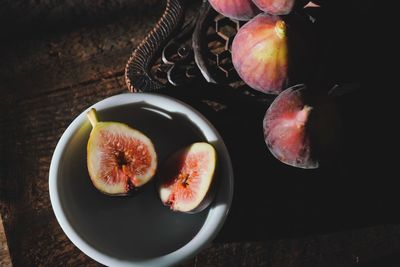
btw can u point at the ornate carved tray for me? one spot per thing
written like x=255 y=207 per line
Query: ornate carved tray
x=177 y=53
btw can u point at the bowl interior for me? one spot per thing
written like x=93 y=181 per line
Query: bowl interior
x=136 y=227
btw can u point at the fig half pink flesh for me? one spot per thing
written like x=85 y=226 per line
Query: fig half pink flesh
x=187 y=178
x=119 y=158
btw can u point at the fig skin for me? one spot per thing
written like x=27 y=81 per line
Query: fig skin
x=235 y=9
x=260 y=54
x=302 y=128
x=270 y=52
x=279 y=7
x=120 y=159
x=187 y=179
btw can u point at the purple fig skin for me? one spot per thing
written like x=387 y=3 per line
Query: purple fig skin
x=260 y=54
x=302 y=128
x=235 y=9
x=279 y=7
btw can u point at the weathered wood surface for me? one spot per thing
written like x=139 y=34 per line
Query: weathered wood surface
x=5 y=259
x=49 y=74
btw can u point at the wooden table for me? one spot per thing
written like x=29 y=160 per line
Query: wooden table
x=60 y=58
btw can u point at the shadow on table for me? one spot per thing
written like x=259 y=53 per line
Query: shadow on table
x=273 y=200
x=387 y=261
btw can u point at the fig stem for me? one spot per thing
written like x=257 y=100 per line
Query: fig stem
x=92 y=116
x=280 y=28
x=302 y=116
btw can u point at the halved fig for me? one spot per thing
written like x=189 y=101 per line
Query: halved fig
x=187 y=178
x=119 y=158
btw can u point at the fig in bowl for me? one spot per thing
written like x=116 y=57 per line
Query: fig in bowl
x=187 y=178
x=119 y=158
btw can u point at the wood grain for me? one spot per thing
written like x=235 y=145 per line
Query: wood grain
x=5 y=259
x=31 y=224
x=78 y=68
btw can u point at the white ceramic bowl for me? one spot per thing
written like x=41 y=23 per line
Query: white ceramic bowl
x=138 y=230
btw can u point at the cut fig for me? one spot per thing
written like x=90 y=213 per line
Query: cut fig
x=119 y=158
x=302 y=127
x=187 y=178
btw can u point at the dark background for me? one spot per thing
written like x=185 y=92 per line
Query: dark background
x=59 y=57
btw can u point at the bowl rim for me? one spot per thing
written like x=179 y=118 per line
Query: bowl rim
x=216 y=215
